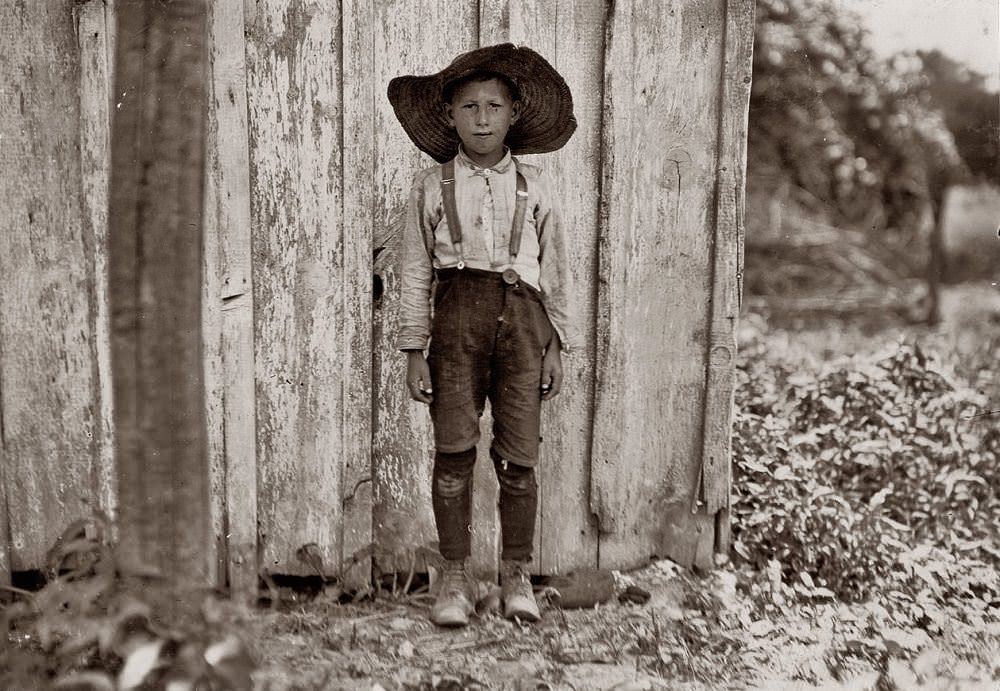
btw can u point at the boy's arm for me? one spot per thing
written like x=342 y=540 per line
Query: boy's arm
x=555 y=277
x=416 y=273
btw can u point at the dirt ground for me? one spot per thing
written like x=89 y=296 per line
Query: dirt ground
x=695 y=632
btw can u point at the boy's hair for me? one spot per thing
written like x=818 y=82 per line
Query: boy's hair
x=448 y=92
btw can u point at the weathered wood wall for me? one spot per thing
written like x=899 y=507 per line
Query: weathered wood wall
x=312 y=435
x=54 y=396
x=312 y=283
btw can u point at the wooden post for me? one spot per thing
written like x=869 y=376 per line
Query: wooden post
x=727 y=270
x=155 y=264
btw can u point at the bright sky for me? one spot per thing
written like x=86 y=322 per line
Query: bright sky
x=965 y=30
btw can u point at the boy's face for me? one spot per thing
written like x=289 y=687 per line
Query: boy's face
x=482 y=112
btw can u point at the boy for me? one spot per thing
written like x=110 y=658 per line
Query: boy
x=482 y=227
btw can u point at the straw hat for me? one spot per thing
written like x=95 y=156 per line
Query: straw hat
x=546 y=121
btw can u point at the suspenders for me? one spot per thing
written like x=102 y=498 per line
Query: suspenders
x=455 y=229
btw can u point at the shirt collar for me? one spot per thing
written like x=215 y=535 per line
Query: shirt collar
x=499 y=167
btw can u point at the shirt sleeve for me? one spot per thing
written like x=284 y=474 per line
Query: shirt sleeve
x=555 y=277
x=416 y=272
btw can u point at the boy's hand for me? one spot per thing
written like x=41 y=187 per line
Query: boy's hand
x=418 y=377
x=552 y=373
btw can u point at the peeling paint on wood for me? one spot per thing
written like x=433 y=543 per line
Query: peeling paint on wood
x=727 y=262
x=568 y=535
x=659 y=134
x=49 y=405
x=93 y=32
x=294 y=95
x=357 y=178
x=240 y=491
x=228 y=306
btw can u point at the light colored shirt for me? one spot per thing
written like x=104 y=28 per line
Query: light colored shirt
x=484 y=198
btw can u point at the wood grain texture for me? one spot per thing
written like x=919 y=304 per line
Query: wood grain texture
x=661 y=103
x=94 y=26
x=213 y=363
x=240 y=493
x=568 y=533
x=727 y=258
x=228 y=308
x=359 y=208
x=419 y=37
x=157 y=190
x=49 y=402
x=294 y=94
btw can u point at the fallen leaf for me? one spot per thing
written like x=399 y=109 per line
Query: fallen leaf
x=139 y=664
x=406 y=650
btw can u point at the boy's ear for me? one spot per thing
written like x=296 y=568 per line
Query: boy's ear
x=515 y=111
x=447 y=113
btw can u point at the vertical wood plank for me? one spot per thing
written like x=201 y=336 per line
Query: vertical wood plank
x=359 y=209
x=228 y=309
x=240 y=445
x=294 y=95
x=358 y=180
x=569 y=532
x=727 y=253
x=419 y=37
x=48 y=391
x=661 y=104
x=157 y=187
x=213 y=365
x=211 y=313
x=93 y=20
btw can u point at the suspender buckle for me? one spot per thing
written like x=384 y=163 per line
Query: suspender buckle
x=460 y=265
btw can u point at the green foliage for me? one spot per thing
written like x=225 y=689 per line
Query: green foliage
x=971 y=111
x=856 y=134
x=861 y=476
x=89 y=628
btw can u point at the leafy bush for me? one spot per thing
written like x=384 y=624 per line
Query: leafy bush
x=839 y=475
x=90 y=628
x=859 y=135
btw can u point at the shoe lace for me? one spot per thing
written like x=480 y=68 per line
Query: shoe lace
x=519 y=580
x=454 y=579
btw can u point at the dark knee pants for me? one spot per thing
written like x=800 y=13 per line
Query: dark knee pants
x=487 y=341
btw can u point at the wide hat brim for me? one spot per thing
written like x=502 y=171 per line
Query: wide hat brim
x=546 y=121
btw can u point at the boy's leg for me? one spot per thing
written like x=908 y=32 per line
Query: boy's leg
x=518 y=507
x=459 y=359
x=462 y=337
x=451 y=496
x=515 y=395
